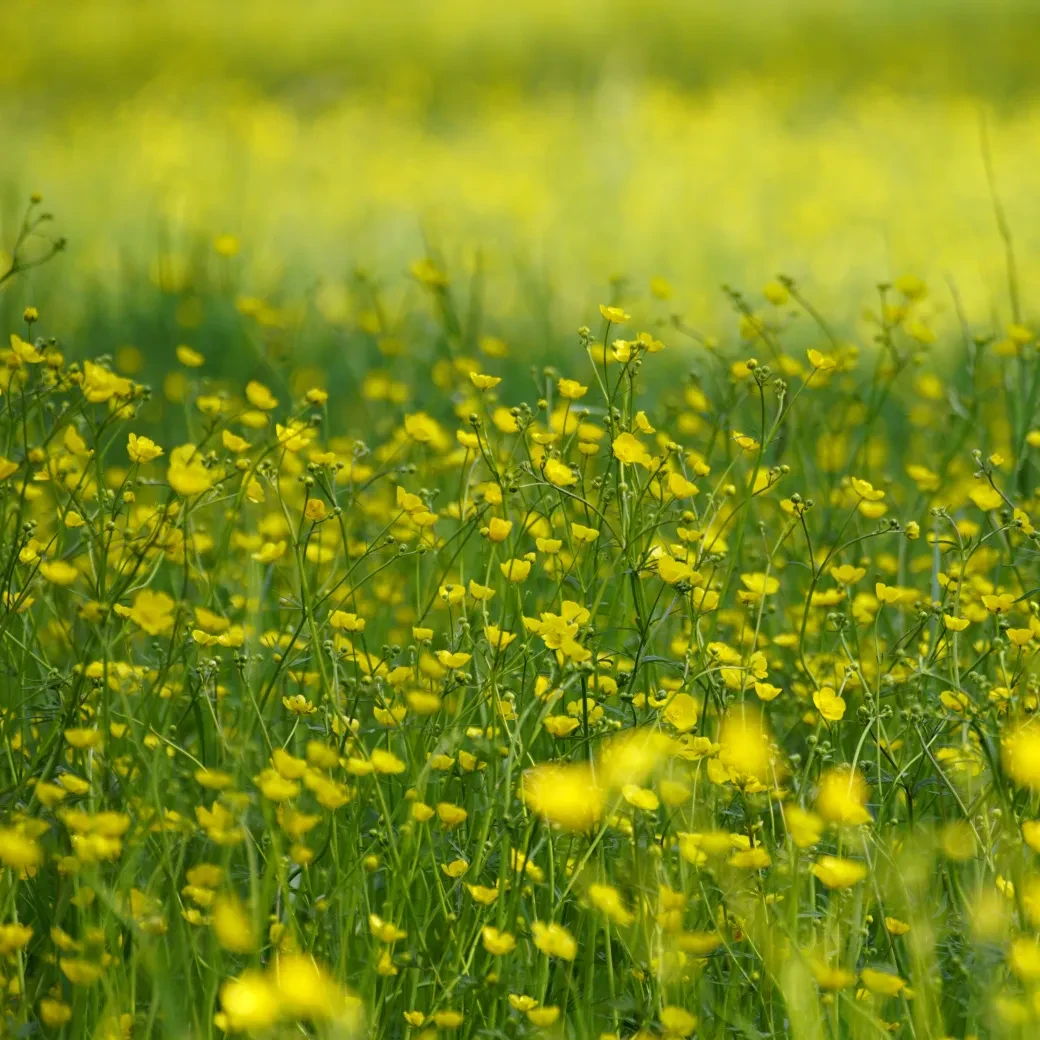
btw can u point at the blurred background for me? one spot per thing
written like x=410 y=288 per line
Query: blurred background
x=555 y=145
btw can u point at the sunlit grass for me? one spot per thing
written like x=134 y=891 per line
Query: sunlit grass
x=517 y=522
x=463 y=699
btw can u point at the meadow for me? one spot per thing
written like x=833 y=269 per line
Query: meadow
x=519 y=524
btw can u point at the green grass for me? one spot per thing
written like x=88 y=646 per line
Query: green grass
x=715 y=680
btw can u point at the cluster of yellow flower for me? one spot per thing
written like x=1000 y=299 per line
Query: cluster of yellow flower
x=646 y=707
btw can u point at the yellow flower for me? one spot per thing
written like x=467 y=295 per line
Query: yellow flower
x=100 y=385
x=986 y=498
x=565 y=795
x=677 y=1021
x=451 y=815
x=141 y=449
x=232 y=925
x=998 y=603
x=556 y=472
x=640 y=798
x=482 y=593
x=80 y=972
x=53 y=1013
x=822 y=362
x=347 y=622
x=629 y=449
x=1024 y=959
x=682 y=711
x=607 y=900
x=276 y=788
x=679 y=486
x=421 y=427
x=830 y=705
x=233 y=442
x=498 y=529
x=25 y=352
x=83 y=738
x=484 y=382
x=766 y=691
x=515 y=570
x=615 y=315
x=643 y=423
x=59 y=572
x=829 y=977
x=497 y=638
x=804 y=828
x=584 y=534
x=673 y=571
x=750 y=859
x=188 y=357
x=865 y=490
x=75 y=444
x=1020 y=755
x=758 y=585
x=306 y=991
x=386 y=762
x=249 y=1003
x=745 y=749
x=883 y=983
x=428 y=273
x=187 y=475
x=18 y=851
x=543 y=1016
x=260 y=397
x=554 y=940
x=151 y=611
x=571 y=389
x=560 y=725
x=842 y=797
x=839 y=873
x=385 y=931
x=1031 y=834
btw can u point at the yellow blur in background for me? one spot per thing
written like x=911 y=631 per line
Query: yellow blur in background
x=568 y=142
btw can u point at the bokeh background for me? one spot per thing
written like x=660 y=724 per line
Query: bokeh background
x=555 y=145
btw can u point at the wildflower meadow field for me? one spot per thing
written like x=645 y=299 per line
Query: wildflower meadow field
x=518 y=525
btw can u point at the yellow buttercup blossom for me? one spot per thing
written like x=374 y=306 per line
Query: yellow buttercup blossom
x=188 y=357
x=142 y=449
x=830 y=705
x=554 y=940
x=260 y=397
x=571 y=389
x=565 y=795
x=615 y=315
x=842 y=797
x=187 y=474
x=59 y=572
x=151 y=611
x=627 y=448
x=559 y=473
x=835 y=872
x=677 y=1021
